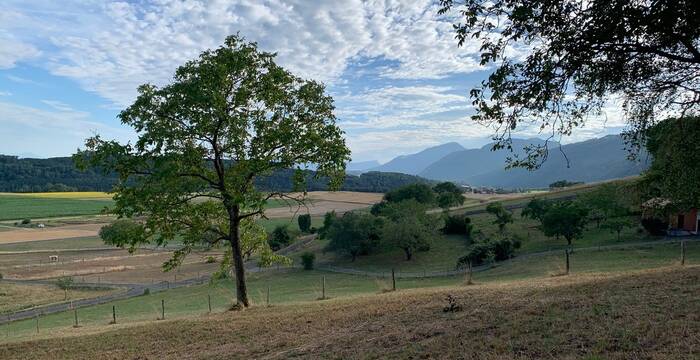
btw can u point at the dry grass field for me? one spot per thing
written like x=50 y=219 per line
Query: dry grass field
x=114 y=265
x=320 y=202
x=19 y=235
x=14 y=297
x=651 y=314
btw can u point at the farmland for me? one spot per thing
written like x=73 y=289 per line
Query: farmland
x=598 y=258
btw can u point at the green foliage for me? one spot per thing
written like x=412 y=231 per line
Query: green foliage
x=307 y=260
x=503 y=215
x=617 y=224
x=448 y=195
x=477 y=254
x=304 y=222
x=675 y=170
x=457 y=224
x=421 y=193
x=26 y=221
x=607 y=201
x=229 y=116
x=536 y=208
x=279 y=238
x=578 y=53
x=566 y=219
x=64 y=283
x=210 y=260
x=328 y=219
x=354 y=234
x=409 y=227
x=122 y=233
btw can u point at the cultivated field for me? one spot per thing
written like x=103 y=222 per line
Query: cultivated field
x=651 y=314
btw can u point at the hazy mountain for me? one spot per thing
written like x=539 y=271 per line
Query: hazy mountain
x=460 y=165
x=591 y=160
x=415 y=163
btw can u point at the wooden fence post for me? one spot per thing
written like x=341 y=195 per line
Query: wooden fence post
x=567 y=261
x=209 y=302
x=162 y=309
x=37 y=324
x=267 y=298
x=323 y=287
x=683 y=253
x=393 y=280
x=114 y=314
x=75 y=312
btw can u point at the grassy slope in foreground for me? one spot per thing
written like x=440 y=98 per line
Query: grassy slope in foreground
x=647 y=314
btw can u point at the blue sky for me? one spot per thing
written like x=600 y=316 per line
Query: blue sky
x=398 y=78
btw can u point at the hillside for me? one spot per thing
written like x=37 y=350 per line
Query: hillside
x=592 y=160
x=60 y=174
x=583 y=316
x=415 y=163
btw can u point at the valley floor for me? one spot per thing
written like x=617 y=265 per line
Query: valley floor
x=647 y=314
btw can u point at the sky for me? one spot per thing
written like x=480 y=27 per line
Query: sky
x=399 y=80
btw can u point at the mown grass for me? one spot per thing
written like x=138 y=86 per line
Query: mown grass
x=647 y=315
x=17 y=207
x=299 y=286
x=79 y=195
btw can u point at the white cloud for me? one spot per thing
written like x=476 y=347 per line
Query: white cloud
x=111 y=48
x=58 y=105
x=13 y=51
x=5 y=93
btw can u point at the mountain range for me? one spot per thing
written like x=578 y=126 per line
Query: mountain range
x=591 y=160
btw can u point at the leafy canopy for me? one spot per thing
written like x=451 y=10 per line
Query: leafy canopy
x=675 y=170
x=228 y=117
x=566 y=219
x=574 y=55
x=409 y=227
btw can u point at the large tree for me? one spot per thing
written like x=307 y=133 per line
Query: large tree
x=228 y=116
x=675 y=170
x=556 y=62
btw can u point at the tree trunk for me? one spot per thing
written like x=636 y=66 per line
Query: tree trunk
x=238 y=266
x=567 y=261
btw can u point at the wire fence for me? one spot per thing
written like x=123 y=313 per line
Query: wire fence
x=106 y=309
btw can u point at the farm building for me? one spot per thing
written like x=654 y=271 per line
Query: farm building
x=688 y=221
x=679 y=223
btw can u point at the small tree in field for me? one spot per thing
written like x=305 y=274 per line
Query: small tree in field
x=535 y=209
x=228 y=117
x=566 y=219
x=616 y=225
x=503 y=216
x=307 y=260
x=409 y=227
x=280 y=237
x=304 y=223
x=354 y=234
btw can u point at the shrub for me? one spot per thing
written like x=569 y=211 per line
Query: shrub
x=146 y=291
x=279 y=238
x=307 y=260
x=655 y=226
x=304 y=222
x=1 y=276
x=458 y=224
x=65 y=282
x=210 y=260
x=26 y=221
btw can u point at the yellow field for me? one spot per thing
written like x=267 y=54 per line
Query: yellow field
x=77 y=195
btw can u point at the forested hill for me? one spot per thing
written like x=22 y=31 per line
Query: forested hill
x=60 y=174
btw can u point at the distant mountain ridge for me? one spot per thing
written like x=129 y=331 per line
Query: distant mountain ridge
x=414 y=164
x=591 y=160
